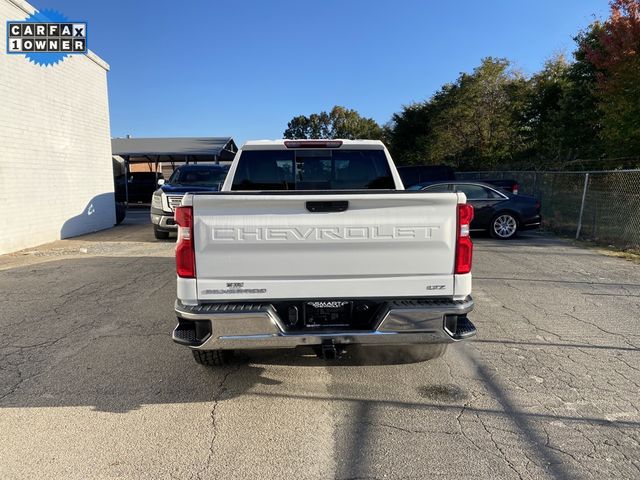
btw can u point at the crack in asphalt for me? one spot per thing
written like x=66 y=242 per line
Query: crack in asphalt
x=401 y=429
x=214 y=420
x=44 y=345
x=503 y=455
x=603 y=330
x=532 y=324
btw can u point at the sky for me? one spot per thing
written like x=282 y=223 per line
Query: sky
x=244 y=68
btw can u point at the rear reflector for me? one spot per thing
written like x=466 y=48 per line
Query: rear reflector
x=313 y=143
x=464 y=245
x=185 y=251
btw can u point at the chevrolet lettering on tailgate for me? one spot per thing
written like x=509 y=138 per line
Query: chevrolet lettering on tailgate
x=245 y=234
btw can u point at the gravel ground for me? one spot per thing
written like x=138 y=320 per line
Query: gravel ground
x=91 y=385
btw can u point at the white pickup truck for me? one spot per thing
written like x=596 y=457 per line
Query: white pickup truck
x=316 y=243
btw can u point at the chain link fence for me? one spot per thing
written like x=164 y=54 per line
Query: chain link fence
x=602 y=206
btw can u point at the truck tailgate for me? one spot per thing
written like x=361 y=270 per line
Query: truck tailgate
x=395 y=244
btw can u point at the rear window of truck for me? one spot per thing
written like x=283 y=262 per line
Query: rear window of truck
x=313 y=170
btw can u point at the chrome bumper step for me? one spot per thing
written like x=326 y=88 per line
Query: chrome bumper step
x=257 y=325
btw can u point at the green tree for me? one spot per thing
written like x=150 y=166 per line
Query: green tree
x=314 y=126
x=541 y=118
x=409 y=133
x=560 y=118
x=472 y=123
x=581 y=115
x=585 y=108
x=340 y=122
x=495 y=117
x=479 y=128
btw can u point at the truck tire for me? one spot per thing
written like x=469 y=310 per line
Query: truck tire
x=160 y=234
x=504 y=226
x=212 y=358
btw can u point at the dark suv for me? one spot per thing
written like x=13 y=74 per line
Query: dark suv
x=186 y=178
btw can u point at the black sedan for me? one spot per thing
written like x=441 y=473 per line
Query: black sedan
x=502 y=213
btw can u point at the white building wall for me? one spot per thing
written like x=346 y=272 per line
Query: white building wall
x=56 y=177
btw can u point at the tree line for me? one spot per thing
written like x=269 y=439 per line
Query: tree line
x=496 y=117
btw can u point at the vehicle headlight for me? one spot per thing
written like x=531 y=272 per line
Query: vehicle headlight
x=156 y=201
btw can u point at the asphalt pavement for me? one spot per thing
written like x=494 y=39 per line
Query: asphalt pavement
x=91 y=385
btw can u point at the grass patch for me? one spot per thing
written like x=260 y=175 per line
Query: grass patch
x=630 y=254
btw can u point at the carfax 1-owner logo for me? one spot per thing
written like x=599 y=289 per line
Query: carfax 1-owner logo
x=46 y=37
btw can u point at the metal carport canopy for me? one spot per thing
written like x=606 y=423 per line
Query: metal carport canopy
x=177 y=149
x=203 y=149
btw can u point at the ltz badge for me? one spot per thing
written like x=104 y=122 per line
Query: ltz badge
x=46 y=37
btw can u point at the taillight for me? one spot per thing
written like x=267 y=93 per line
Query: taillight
x=515 y=189
x=464 y=245
x=185 y=251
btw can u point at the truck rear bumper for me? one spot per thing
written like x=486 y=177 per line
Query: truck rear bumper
x=240 y=326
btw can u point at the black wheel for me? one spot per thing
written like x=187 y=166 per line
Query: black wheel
x=160 y=234
x=504 y=226
x=212 y=358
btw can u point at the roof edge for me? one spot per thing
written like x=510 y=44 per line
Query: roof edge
x=168 y=146
x=91 y=55
x=279 y=144
x=346 y=141
x=24 y=6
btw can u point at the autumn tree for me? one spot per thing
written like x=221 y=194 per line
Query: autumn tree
x=615 y=54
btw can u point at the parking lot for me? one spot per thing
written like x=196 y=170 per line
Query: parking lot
x=91 y=384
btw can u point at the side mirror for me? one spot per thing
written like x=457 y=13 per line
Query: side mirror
x=160 y=182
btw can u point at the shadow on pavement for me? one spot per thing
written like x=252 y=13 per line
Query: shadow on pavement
x=136 y=227
x=98 y=334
